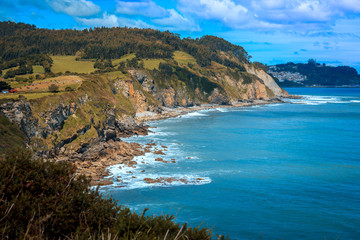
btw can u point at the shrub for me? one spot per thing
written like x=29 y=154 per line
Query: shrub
x=69 y=89
x=165 y=68
x=53 y=88
x=103 y=63
x=44 y=200
x=21 y=79
x=22 y=97
x=4 y=85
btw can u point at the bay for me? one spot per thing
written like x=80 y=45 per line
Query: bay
x=279 y=171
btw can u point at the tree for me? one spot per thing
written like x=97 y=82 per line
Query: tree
x=103 y=64
x=4 y=85
x=69 y=89
x=44 y=200
x=165 y=68
x=312 y=61
x=53 y=88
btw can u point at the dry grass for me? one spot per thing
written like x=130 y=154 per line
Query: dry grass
x=43 y=85
x=29 y=96
x=68 y=63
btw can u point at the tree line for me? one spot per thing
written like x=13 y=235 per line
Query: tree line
x=19 y=40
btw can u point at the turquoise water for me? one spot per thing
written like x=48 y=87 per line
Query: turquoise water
x=280 y=171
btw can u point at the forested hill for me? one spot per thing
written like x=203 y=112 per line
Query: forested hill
x=21 y=40
x=314 y=74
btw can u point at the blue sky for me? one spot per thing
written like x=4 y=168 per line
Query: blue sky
x=272 y=31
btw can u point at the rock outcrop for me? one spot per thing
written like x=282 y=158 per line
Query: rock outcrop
x=85 y=127
x=267 y=80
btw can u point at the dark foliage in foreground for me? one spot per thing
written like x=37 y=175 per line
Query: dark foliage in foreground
x=11 y=137
x=44 y=200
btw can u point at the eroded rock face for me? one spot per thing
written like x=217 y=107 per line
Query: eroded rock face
x=217 y=98
x=262 y=87
x=267 y=79
x=55 y=118
x=170 y=97
x=147 y=83
x=20 y=112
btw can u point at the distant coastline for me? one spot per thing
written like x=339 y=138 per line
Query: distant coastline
x=313 y=74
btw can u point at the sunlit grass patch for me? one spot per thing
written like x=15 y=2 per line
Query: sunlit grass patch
x=38 y=69
x=68 y=63
x=184 y=58
x=28 y=96
x=152 y=63
x=123 y=58
x=116 y=74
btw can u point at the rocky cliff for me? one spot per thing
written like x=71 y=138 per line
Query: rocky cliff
x=86 y=125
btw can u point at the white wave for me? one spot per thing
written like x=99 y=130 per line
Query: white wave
x=222 y=109
x=132 y=177
x=319 y=100
x=140 y=181
x=193 y=114
x=355 y=101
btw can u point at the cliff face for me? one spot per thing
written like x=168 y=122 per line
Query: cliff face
x=268 y=80
x=230 y=87
x=79 y=125
x=175 y=95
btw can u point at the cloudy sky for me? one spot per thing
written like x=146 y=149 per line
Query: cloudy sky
x=272 y=31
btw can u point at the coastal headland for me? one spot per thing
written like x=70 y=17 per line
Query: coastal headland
x=77 y=105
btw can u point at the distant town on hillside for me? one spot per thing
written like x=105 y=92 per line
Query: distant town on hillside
x=313 y=74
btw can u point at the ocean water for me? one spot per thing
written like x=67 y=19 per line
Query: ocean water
x=279 y=171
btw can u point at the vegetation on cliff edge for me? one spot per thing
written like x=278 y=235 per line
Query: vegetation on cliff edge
x=44 y=200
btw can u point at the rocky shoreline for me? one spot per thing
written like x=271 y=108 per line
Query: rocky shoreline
x=121 y=152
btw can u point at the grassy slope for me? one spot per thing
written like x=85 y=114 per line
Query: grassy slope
x=38 y=69
x=151 y=64
x=184 y=58
x=123 y=58
x=11 y=138
x=28 y=96
x=99 y=90
x=68 y=63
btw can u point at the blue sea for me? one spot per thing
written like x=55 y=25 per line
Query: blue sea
x=278 y=171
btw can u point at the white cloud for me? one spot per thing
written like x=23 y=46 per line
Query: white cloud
x=292 y=11
x=272 y=14
x=176 y=22
x=147 y=9
x=110 y=20
x=165 y=19
x=225 y=11
x=347 y=5
x=79 y=8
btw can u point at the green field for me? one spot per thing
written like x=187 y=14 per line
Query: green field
x=6 y=70
x=123 y=59
x=68 y=63
x=27 y=95
x=184 y=58
x=152 y=63
x=38 y=69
